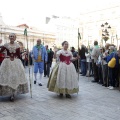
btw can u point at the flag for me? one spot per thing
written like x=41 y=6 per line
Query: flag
x=25 y=32
x=47 y=20
x=79 y=36
x=88 y=45
x=54 y=16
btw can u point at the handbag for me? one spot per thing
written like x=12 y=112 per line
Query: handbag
x=112 y=62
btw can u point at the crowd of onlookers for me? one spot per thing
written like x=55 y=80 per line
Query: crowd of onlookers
x=102 y=63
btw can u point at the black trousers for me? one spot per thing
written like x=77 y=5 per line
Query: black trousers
x=113 y=77
x=76 y=64
x=100 y=73
x=46 y=69
x=95 y=70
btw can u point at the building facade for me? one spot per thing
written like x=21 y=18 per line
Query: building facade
x=47 y=37
x=91 y=21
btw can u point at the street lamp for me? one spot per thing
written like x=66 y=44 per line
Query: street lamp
x=105 y=31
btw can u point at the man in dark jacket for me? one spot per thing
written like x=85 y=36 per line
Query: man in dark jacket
x=51 y=58
x=83 y=60
x=47 y=65
x=75 y=54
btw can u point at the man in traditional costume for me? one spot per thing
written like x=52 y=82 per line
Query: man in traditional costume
x=12 y=74
x=39 y=55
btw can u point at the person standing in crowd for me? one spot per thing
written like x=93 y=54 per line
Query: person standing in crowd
x=21 y=57
x=24 y=57
x=83 y=60
x=100 y=64
x=51 y=58
x=63 y=78
x=94 y=55
x=118 y=52
x=39 y=55
x=105 y=65
x=12 y=76
x=89 y=63
x=30 y=57
x=75 y=54
x=113 y=72
x=47 y=65
x=1 y=54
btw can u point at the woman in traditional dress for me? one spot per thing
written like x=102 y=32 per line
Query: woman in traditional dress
x=12 y=74
x=63 y=78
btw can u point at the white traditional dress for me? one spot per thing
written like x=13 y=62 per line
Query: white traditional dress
x=63 y=78
x=12 y=73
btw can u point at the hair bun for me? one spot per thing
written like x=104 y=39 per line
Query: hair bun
x=64 y=42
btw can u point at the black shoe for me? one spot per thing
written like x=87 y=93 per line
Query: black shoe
x=80 y=73
x=40 y=84
x=34 y=82
x=87 y=75
x=68 y=96
x=94 y=81
x=91 y=75
x=99 y=83
x=12 y=98
x=44 y=75
x=61 y=95
x=105 y=85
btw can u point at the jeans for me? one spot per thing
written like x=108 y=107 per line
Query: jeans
x=83 y=67
x=89 y=68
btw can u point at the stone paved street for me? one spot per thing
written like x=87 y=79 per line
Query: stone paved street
x=93 y=102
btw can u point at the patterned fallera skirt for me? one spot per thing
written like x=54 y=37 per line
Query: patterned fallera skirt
x=63 y=79
x=12 y=78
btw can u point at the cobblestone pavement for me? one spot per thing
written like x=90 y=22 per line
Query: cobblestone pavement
x=93 y=102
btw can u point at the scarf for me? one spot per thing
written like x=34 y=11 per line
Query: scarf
x=38 y=47
x=96 y=46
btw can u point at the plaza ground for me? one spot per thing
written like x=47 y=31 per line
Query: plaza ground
x=93 y=102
